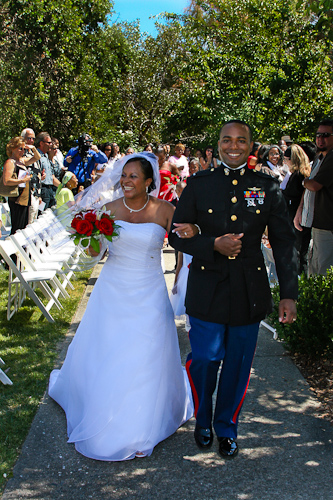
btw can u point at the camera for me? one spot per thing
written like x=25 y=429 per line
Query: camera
x=84 y=144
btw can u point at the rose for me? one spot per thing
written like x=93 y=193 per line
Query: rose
x=84 y=227
x=74 y=222
x=105 y=226
x=90 y=216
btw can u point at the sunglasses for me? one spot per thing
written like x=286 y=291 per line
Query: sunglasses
x=324 y=135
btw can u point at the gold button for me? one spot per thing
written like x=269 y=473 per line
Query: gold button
x=212 y=169
x=234 y=217
x=210 y=210
x=202 y=268
x=259 y=268
x=235 y=182
x=234 y=199
x=258 y=211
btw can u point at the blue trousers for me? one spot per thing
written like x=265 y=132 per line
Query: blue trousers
x=234 y=346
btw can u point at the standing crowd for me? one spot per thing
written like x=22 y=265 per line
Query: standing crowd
x=218 y=213
x=41 y=177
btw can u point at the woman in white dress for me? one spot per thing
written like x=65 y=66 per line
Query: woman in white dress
x=122 y=385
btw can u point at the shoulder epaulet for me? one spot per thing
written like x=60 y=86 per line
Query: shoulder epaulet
x=202 y=173
x=259 y=173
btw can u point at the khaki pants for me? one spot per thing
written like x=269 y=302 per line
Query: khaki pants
x=322 y=254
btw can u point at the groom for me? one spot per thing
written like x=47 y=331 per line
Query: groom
x=228 y=293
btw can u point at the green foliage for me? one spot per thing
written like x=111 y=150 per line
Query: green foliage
x=312 y=333
x=46 y=55
x=65 y=67
x=257 y=61
x=28 y=345
x=321 y=15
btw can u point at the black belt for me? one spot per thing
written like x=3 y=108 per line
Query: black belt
x=47 y=185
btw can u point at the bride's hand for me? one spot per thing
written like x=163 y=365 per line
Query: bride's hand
x=185 y=230
x=91 y=252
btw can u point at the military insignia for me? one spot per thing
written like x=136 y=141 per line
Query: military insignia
x=242 y=171
x=254 y=196
x=226 y=171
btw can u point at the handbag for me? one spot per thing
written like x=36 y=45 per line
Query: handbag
x=9 y=191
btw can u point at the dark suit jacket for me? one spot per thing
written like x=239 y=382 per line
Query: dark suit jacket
x=222 y=201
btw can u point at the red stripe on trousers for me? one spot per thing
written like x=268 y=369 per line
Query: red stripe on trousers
x=194 y=392
x=234 y=418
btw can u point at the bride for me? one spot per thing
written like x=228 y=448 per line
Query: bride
x=122 y=385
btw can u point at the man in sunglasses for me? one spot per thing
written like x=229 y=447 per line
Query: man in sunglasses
x=43 y=143
x=316 y=207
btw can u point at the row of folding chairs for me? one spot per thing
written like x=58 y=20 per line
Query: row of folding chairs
x=3 y=377
x=45 y=258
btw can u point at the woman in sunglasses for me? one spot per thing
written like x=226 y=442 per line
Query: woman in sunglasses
x=15 y=174
x=208 y=160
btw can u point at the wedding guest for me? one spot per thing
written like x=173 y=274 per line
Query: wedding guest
x=16 y=174
x=58 y=156
x=208 y=160
x=36 y=175
x=272 y=163
x=194 y=166
x=179 y=161
x=299 y=167
x=64 y=194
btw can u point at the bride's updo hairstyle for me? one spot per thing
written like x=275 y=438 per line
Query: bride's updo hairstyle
x=147 y=170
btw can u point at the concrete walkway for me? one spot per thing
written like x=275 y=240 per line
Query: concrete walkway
x=286 y=450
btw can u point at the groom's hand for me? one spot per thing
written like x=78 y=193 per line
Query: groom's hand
x=229 y=244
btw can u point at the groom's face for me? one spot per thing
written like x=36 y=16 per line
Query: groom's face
x=234 y=144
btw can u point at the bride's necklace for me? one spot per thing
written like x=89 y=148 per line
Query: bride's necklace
x=132 y=209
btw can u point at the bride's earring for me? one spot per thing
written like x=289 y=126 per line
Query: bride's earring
x=146 y=189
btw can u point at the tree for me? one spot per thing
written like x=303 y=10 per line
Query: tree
x=44 y=57
x=149 y=92
x=256 y=61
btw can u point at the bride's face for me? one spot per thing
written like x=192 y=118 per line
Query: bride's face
x=132 y=181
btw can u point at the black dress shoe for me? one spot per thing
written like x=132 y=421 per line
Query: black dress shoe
x=228 y=447
x=203 y=437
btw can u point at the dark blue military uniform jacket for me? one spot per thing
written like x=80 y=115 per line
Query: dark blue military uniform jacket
x=222 y=201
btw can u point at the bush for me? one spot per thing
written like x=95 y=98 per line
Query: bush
x=312 y=333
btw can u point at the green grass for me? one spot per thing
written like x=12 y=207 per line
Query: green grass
x=28 y=345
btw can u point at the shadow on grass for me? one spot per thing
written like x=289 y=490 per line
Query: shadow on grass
x=28 y=345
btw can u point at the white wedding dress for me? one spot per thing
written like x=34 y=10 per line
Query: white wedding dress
x=122 y=385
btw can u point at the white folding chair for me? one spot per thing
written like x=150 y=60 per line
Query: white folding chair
x=5 y=219
x=270 y=265
x=33 y=262
x=28 y=281
x=47 y=253
x=3 y=377
x=54 y=239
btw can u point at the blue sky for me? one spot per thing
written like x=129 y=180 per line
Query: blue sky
x=130 y=10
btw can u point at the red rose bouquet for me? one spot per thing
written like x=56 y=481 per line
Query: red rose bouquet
x=89 y=226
